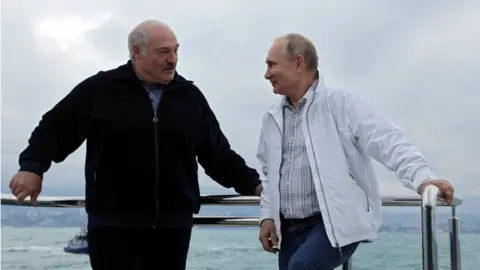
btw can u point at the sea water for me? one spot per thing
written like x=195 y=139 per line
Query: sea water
x=231 y=248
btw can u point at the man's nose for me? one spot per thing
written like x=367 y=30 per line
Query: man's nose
x=172 y=58
x=267 y=75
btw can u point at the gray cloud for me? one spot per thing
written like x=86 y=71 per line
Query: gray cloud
x=417 y=62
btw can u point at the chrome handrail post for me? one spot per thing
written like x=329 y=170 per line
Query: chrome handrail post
x=429 y=232
x=455 y=261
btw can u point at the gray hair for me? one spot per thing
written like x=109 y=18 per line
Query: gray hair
x=139 y=35
x=297 y=44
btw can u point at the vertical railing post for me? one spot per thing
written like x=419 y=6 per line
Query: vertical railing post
x=347 y=265
x=429 y=232
x=455 y=260
x=423 y=226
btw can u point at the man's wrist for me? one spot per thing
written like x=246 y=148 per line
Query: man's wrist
x=37 y=167
x=424 y=183
x=265 y=219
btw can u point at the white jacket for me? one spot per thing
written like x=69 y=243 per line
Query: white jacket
x=341 y=132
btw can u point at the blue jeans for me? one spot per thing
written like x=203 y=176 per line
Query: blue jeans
x=305 y=246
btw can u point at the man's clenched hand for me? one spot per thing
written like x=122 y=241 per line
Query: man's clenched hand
x=268 y=236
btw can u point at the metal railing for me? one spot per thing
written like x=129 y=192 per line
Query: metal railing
x=428 y=203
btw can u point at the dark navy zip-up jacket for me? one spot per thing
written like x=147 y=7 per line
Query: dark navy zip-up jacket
x=141 y=163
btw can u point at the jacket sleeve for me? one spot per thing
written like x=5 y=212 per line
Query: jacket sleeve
x=382 y=140
x=60 y=131
x=262 y=159
x=219 y=161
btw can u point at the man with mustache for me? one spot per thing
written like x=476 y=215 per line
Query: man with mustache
x=320 y=198
x=145 y=126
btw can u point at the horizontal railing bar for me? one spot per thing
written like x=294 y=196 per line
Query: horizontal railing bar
x=225 y=221
x=79 y=202
x=229 y=200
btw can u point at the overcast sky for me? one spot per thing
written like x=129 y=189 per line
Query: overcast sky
x=417 y=61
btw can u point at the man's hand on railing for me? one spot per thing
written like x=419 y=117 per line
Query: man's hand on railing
x=445 y=188
x=26 y=184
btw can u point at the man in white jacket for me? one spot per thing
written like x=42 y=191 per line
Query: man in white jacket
x=320 y=196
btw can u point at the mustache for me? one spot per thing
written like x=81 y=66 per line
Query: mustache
x=170 y=65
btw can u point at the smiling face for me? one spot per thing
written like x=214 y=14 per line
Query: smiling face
x=157 y=60
x=282 y=71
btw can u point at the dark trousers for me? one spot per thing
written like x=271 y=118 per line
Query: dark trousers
x=138 y=249
x=305 y=246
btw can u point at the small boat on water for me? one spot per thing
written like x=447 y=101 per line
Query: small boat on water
x=78 y=244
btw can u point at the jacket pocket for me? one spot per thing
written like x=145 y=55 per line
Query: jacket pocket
x=362 y=194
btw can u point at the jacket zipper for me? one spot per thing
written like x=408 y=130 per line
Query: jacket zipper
x=157 y=170
x=281 y=134
x=323 y=192
x=157 y=159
